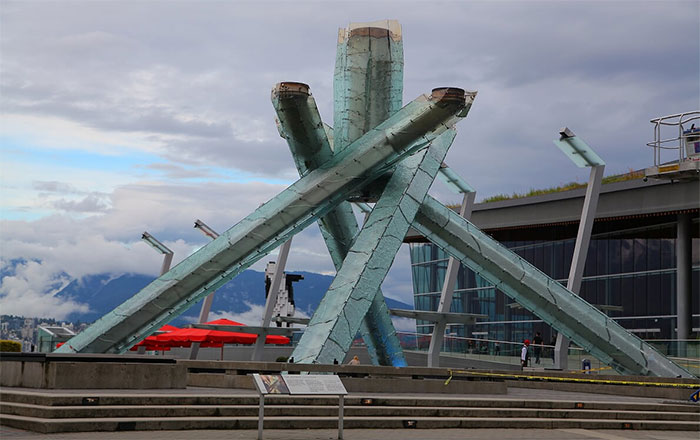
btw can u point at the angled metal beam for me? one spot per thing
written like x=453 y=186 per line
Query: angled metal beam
x=583 y=156
x=260 y=331
x=364 y=207
x=209 y=300
x=337 y=318
x=291 y=320
x=165 y=266
x=453 y=266
x=568 y=313
x=299 y=122
x=580 y=153
x=271 y=299
x=160 y=247
x=454 y=181
x=311 y=197
x=446 y=317
x=205 y=229
x=684 y=290
x=578 y=260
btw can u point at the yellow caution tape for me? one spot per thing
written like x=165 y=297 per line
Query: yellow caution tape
x=591 y=369
x=575 y=379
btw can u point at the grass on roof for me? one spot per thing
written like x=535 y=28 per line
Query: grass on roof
x=631 y=175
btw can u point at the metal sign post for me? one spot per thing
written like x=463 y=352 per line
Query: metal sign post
x=312 y=384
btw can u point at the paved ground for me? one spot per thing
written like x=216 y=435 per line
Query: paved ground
x=362 y=434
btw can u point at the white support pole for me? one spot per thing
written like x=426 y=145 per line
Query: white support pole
x=272 y=298
x=448 y=288
x=684 y=266
x=583 y=239
x=206 y=305
x=167 y=261
x=164 y=267
x=341 y=404
x=261 y=416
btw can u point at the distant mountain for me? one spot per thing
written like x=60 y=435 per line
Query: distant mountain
x=104 y=292
x=8 y=268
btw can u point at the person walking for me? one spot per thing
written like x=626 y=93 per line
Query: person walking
x=537 y=340
x=525 y=354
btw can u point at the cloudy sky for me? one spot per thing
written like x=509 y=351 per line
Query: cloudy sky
x=120 y=117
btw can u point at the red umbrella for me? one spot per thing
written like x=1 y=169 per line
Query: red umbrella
x=213 y=338
x=152 y=344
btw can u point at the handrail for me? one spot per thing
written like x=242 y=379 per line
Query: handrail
x=509 y=351
x=661 y=118
x=675 y=120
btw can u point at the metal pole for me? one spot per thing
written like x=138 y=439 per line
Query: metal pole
x=448 y=288
x=681 y=150
x=206 y=305
x=583 y=239
x=164 y=267
x=272 y=298
x=340 y=416
x=167 y=261
x=261 y=416
x=684 y=244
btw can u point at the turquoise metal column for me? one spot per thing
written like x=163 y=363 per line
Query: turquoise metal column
x=300 y=124
x=568 y=313
x=337 y=319
x=368 y=80
x=305 y=201
x=368 y=88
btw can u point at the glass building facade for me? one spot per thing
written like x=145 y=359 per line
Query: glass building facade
x=630 y=274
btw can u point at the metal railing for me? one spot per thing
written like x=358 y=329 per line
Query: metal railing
x=509 y=352
x=678 y=142
x=499 y=351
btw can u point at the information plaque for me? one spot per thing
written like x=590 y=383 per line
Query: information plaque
x=315 y=384
x=299 y=384
x=270 y=384
x=311 y=384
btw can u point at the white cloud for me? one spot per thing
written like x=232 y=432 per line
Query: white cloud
x=57 y=131
x=404 y=325
x=123 y=117
x=71 y=247
x=252 y=316
x=29 y=292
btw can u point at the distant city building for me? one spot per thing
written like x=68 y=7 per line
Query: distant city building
x=49 y=336
x=27 y=331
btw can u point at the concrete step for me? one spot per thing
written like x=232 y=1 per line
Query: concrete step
x=351 y=422
x=107 y=399
x=130 y=411
x=101 y=410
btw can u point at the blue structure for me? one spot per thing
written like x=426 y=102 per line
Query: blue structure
x=630 y=273
x=379 y=152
